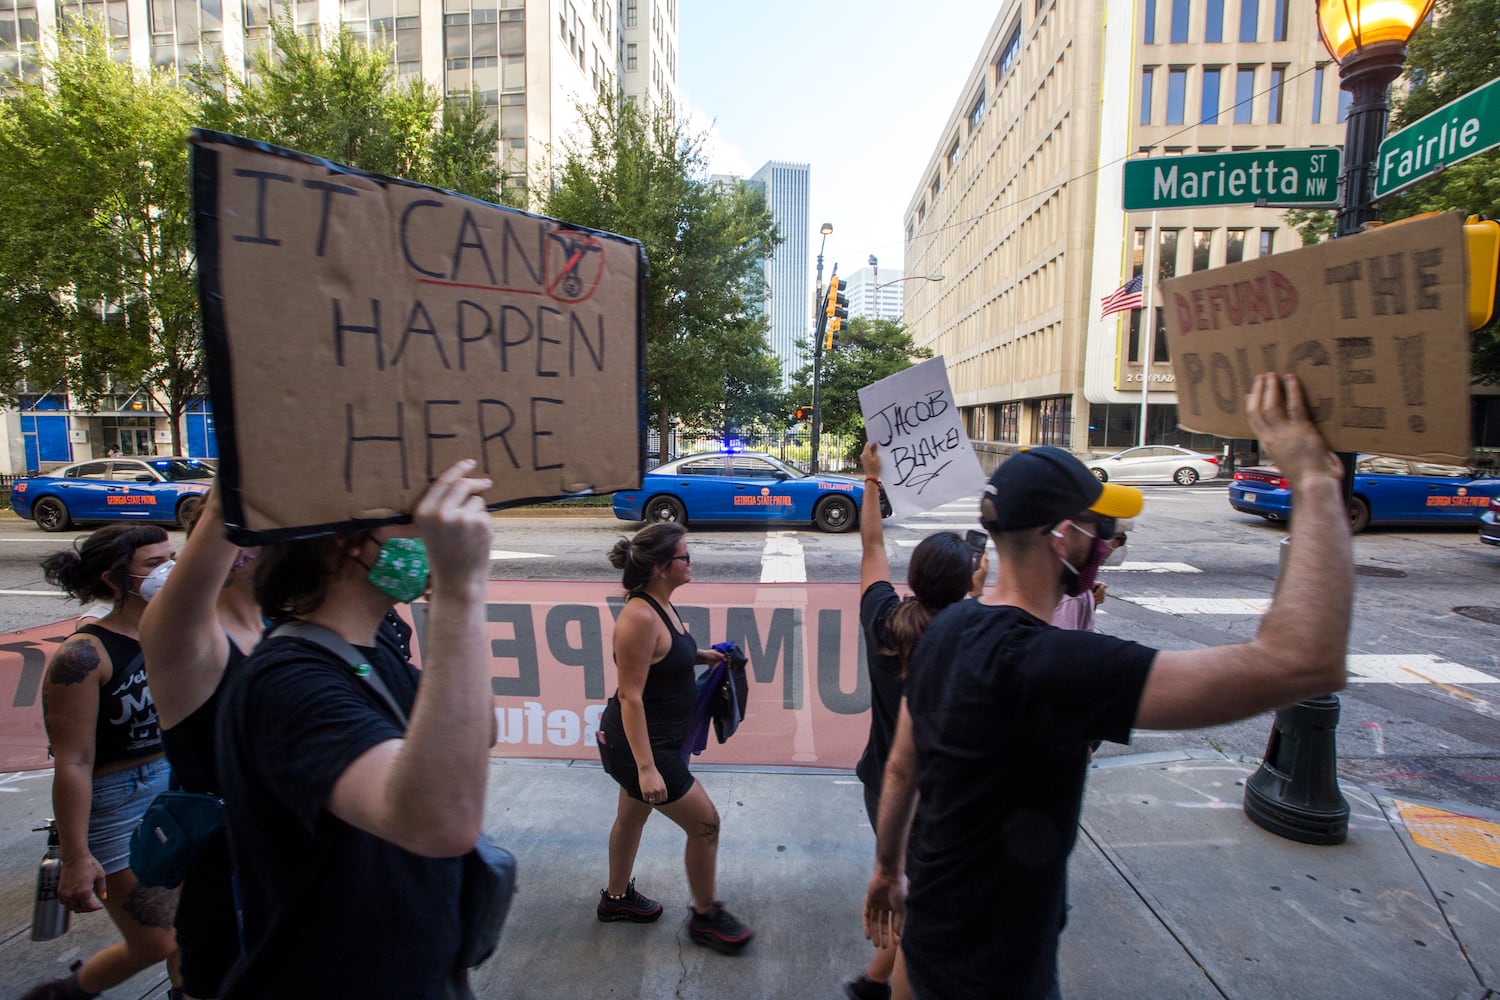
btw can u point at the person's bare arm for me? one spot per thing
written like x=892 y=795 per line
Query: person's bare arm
x=425 y=793
x=874 y=564
x=885 y=898
x=1299 y=650
x=185 y=646
x=70 y=709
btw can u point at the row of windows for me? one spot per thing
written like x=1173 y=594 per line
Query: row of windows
x=1181 y=14
x=1212 y=87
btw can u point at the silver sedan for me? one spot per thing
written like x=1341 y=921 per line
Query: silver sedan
x=1155 y=463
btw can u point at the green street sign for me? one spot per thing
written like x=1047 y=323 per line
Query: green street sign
x=1453 y=133
x=1261 y=176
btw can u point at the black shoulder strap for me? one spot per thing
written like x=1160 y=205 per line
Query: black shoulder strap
x=671 y=629
x=340 y=647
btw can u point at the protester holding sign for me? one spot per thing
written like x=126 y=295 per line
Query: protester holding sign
x=352 y=821
x=104 y=735
x=200 y=626
x=992 y=740
x=943 y=569
x=642 y=732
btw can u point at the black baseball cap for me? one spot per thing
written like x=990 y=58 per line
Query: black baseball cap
x=1045 y=485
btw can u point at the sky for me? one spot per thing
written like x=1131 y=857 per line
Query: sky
x=859 y=90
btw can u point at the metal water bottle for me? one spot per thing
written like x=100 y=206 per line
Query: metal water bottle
x=49 y=917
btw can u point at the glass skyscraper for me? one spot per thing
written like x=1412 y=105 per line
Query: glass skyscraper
x=788 y=297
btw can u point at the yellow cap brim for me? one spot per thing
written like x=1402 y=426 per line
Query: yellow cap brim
x=1119 y=501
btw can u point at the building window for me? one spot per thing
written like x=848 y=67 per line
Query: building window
x=1213 y=25
x=1278 y=20
x=976 y=113
x=1267 y=242
x=1181 y=9
x=182 y=32
x=1147 y=75
x=113 y=14
x=1055 y=421
x=1278 y=79
x=952 y=163
x=631 y=60
x=1010 y=53
x=1345 y=99
x=1249 y=20
x=935 y=187
x=1203 y=245
x=1148 y=34
x=1317 y=94
x=630 y=13
x=1166 y=254
x=1244 y=95
x=1234 y=246
x=1209 y=110
x=1176 y=94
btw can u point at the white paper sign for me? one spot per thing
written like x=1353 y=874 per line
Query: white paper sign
x=925 y=456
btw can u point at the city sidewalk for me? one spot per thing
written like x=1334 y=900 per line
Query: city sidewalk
x=1174 y=892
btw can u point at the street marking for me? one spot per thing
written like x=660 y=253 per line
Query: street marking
x=1201 y=605
x=1412 y=668
x=781 y=560
x=32 y=593
x=1131 y=566
x=503 y=554
x=1452 y=833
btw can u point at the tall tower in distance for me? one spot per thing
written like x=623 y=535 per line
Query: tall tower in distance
x=788 y=298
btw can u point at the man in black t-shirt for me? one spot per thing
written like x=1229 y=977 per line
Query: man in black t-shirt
x=992 y=739
x=348 y=824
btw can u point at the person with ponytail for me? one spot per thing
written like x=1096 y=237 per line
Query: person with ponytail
x=106 y=744
x=943 y=569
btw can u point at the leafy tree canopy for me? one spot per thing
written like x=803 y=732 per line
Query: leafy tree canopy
x=868 y=350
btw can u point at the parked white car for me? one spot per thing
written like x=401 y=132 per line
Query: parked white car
x=1155 y=463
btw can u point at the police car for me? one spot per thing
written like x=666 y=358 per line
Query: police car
x=744 y=486
x=165 y=488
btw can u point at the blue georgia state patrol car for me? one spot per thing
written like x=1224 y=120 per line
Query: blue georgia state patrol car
x=744 y=486
x=156 y=488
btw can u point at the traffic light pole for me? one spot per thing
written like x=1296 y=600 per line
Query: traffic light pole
x=817 y=404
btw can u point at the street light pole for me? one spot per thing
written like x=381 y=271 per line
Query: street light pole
x=1294 y=793
x=875 y=281
x=817 y=414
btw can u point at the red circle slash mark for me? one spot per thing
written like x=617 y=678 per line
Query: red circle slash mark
x=582 y=269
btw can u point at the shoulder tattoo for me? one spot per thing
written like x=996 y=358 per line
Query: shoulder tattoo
x=73 y=663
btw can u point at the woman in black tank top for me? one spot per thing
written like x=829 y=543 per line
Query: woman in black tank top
x=642 y=732
x=203 y=623
x=105 y=737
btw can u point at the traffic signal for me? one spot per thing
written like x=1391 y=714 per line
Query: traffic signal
x=1482 y=254
x=836 y=308
x=803 y=413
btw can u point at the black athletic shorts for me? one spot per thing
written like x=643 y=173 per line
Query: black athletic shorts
x=619 y=763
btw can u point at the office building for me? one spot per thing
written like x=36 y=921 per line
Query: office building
x=874 y=292
x=788 y=291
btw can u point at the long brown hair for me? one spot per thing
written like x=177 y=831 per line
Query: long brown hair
x=638 y=557
x=940 y=572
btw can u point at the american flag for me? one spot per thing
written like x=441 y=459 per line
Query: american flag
x=1127 y=296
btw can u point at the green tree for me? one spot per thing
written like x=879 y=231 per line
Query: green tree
x=637 y=172
x=97 y=289
x=336 y=97
x=868 y=351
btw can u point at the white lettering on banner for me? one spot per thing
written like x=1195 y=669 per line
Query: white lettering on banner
x=533 y=724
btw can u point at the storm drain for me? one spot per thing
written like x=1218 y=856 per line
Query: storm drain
x=1490 y=616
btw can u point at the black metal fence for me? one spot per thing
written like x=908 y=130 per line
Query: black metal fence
x=836 y=452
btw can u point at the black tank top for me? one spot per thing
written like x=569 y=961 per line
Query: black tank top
x=190 y=744
x=671 y=690
x=126 y=728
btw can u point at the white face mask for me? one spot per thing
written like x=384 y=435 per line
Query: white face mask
x=151 y=583
x=1115 y=557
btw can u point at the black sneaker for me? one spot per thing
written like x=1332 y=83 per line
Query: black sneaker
x=632 y=906
x=865 y=988
x=718 y=929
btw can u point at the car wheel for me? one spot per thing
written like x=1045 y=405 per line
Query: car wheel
x=1100 y=475
x=659 y=509
x=834 y=514
x=1185 y=476
x=50 y=514
x=1359 y=515
x=187 y=510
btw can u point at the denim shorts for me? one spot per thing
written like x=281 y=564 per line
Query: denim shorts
x=119 y=801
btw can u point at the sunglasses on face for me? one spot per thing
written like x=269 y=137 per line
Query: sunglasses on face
x=685 y=557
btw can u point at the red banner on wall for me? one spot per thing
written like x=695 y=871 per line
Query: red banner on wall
x=552 y=670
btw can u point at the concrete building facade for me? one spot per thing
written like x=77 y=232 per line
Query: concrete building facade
x=1020 y=203
x=788 y=288
x=875 y=292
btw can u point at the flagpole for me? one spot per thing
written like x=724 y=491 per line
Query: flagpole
x=1148 y=319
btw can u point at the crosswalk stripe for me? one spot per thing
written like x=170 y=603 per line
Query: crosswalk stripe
x=1152 y=567
x=781 y=560
x=1411 y=668
x=1201 y=605
x=503 y=554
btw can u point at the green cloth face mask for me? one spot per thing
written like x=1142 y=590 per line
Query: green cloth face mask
x=401 y=570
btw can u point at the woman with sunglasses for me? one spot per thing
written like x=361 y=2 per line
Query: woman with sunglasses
x=943 y=569
x=642 y=732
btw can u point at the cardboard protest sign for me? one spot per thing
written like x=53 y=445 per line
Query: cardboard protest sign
x=364 y=333
x=1375 y=326
x=925 y=453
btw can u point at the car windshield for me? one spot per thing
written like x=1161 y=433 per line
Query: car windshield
x=178 y=470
